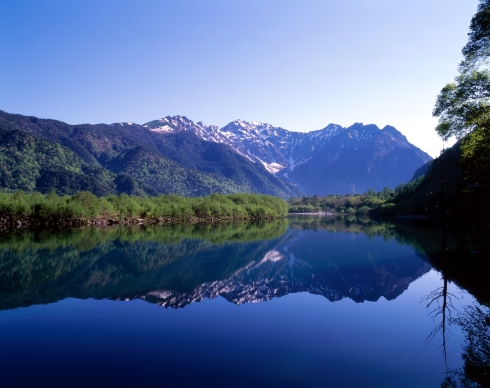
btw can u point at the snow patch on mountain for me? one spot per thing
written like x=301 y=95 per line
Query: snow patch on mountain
x=282 y=152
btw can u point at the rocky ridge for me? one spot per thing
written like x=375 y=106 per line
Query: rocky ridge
x=344 y=160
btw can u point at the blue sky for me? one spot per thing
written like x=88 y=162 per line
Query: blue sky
x=296 y=64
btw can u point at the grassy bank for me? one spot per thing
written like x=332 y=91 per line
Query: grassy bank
x=85 y=208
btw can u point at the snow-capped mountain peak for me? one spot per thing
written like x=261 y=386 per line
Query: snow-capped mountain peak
x=294 y=155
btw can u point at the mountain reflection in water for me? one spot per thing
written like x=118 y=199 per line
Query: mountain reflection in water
x=175 y=265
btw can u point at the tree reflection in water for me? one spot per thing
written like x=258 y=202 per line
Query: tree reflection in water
x=440 y=302
x=475 y=323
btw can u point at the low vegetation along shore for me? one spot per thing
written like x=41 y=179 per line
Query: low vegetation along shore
x=84 y=208
x=360 y=204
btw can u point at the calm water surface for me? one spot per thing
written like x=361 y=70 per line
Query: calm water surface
x=302 y=302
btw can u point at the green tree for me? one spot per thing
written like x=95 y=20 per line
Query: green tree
x=464 y=105
x=463 y=108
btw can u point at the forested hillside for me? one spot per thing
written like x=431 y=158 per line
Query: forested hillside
x=33 y=164
x=155 y=163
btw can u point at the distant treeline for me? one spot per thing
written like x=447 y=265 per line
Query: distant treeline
x=351 y=204
x=85 y=208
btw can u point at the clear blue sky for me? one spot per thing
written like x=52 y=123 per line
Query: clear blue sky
x=297 y=64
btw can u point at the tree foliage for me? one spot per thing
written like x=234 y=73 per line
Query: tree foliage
x=477 y=50
x=463 y=108
x=464 y=105
x=84 y=205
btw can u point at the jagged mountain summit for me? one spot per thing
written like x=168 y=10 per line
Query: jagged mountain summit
x=333 y=160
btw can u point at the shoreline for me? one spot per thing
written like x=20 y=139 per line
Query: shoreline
x=321 y=213
x=7 y=223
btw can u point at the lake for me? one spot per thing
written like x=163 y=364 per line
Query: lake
x=304 y=301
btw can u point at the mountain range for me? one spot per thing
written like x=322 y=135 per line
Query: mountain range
x=333 y=160
x=177 y=155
